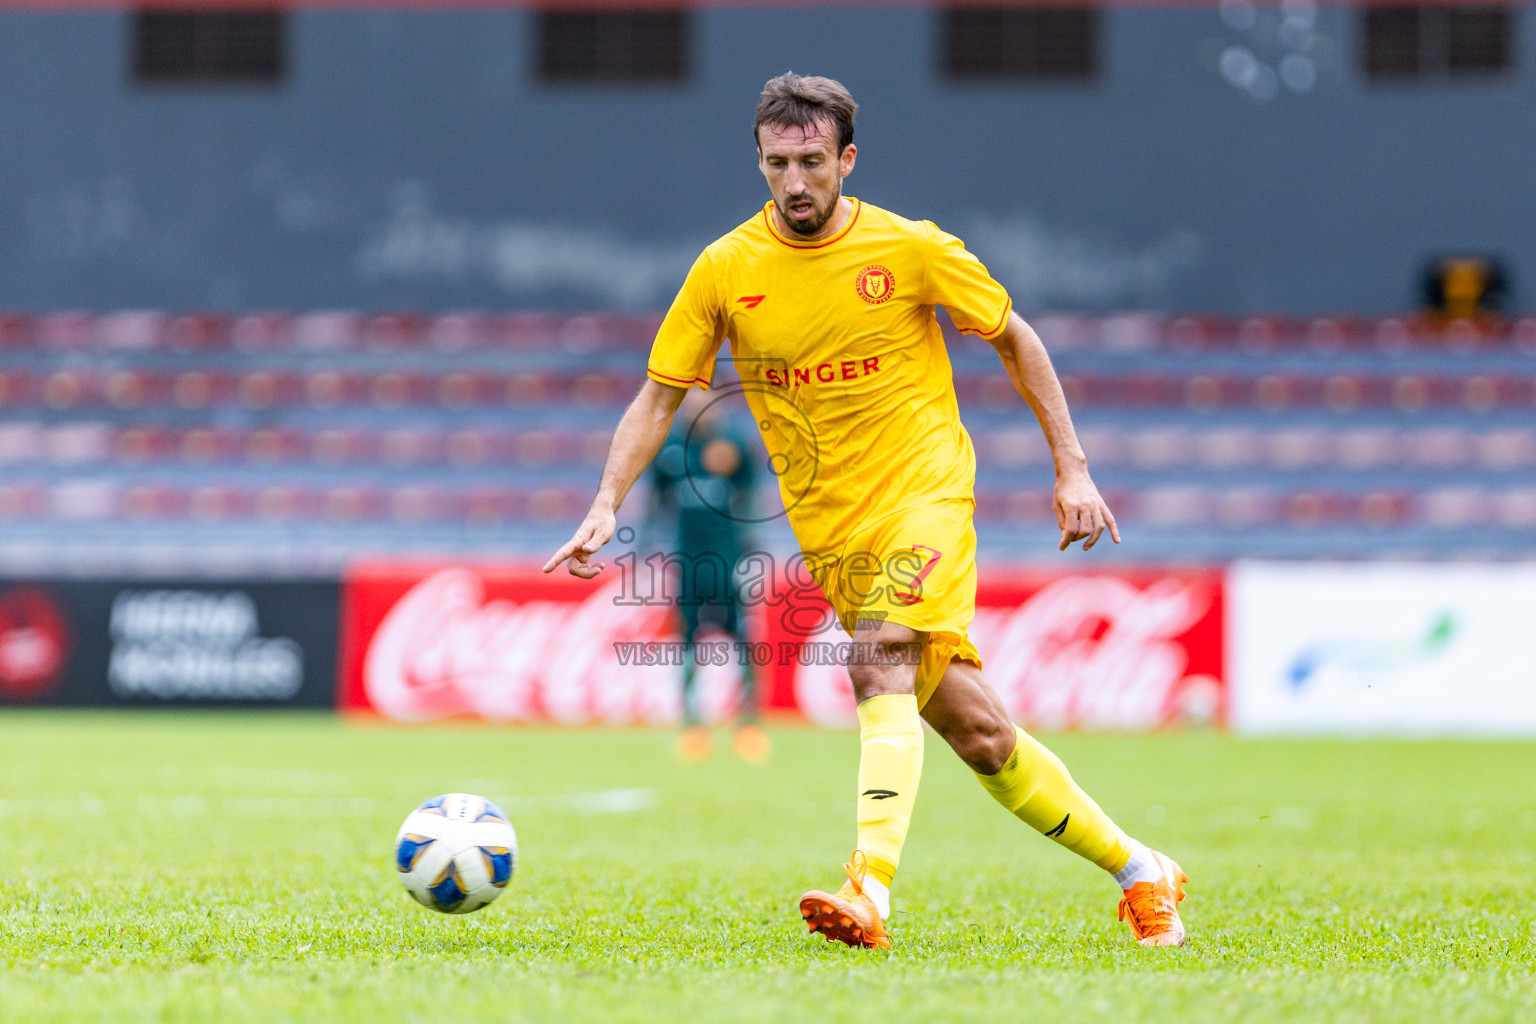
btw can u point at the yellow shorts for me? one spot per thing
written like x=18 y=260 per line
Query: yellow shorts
x=917 y=567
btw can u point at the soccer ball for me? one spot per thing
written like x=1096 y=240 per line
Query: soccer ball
x=456 y=853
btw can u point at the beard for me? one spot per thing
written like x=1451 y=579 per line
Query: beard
x=818 y=220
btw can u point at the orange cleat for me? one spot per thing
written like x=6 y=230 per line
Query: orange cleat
x=751 y=744
x=847 y=916
x=1152 y=908
x=693 y=743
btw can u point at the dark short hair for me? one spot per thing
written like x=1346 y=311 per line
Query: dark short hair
x=793 y=101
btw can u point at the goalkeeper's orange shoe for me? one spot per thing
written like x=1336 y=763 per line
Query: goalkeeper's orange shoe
x=848 y=915
x=1152 y=908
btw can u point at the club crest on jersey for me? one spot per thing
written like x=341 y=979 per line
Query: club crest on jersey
x=876 y=284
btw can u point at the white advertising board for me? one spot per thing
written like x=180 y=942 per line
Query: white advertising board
x=1382 y=649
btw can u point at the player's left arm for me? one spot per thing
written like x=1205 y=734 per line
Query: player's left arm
x=1081 y=511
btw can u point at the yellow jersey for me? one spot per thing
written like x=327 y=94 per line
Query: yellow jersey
x=841 y=360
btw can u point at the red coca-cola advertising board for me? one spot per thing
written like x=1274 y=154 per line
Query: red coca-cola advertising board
x=1120 y=650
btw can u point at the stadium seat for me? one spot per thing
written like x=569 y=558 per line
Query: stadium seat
x=1456 y=507
x=1311 y=508
x=1176 y=506
x=1160 y=447
x=1246 y=507
x=1230 y=448
x=1382 y=508
x=1517 y=508
x=1507 y=449
x=1438 y=447
x=1369 y=448
x=1300 y=448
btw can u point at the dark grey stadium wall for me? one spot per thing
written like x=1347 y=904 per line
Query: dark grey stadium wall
x=413 y=161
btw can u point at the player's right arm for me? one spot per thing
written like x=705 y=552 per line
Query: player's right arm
x=639 y=436
x=682 y=356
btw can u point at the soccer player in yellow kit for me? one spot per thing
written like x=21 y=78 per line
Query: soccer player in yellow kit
x=828 y=304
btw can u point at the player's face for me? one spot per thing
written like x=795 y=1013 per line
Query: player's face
x=805 y=173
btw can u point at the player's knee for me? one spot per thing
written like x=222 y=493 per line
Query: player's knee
x=873 y=680
x=983 y=743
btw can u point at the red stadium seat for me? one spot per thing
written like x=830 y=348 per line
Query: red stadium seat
x=262 y=389
x=270 y=445
x=324 y=389
x=1380 y=509
x=488 y=506
x=262 y=332
x=395 y=390
x=64 y=331
x=196 y=331
x=459 y=332
x=1262 y=334
x=23 y=501
x=279 y=503
x=1311 y=508
x=1032 y=507
x=461 y=390
x=1206 y=391
x=15 y=330
x=152 y=501
x=213 y=503
x=391 y=331
x=349 y=504
x=525 y=332
x=530 y=388
x=203 y=445
x=340 y=446
x=200 y=389
x=134 y=445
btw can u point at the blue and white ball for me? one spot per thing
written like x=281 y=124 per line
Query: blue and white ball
x=456 y=853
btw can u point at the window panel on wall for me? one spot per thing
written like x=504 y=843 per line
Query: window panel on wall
x=1026 y=42
x=1435 y=40
x=209 y=46
x=613 y=46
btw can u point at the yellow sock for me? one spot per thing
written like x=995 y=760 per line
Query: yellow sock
x=1037 y=787
x=890 y=765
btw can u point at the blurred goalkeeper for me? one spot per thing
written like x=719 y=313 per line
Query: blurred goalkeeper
x=701 y=484
x=829 y=306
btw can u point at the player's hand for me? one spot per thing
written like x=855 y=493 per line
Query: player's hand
x=1081 y=512
x=595 y=531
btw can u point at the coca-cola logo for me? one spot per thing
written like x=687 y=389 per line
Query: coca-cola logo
x=445 y=649
x=34 y=643
x=1093 y=652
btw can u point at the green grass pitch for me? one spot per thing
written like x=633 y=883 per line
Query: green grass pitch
x=196 y=868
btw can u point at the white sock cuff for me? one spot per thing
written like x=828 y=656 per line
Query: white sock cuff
x=877 y=891
x=1142 y=867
